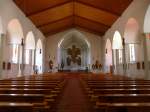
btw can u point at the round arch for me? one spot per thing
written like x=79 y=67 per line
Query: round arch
x=15 y=32
x=108 y=53
x=39 y=56
x=79 y=38
x=1 y=26
x=29 y=48
x=117 y=41
x=30 y=41
x=131 y=31
x=147 y=21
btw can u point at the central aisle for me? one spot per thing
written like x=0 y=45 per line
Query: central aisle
x=73 y=99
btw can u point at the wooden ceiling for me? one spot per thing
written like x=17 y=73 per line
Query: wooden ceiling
x=53 y=16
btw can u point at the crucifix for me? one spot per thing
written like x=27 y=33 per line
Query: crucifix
x=74 y=53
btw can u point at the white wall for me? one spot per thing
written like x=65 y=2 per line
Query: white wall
x=9 y=11
x=136 y=10
x=52 y=45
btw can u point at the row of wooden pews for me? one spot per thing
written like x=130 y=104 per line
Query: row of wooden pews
x=37 y=93
x=108 y=93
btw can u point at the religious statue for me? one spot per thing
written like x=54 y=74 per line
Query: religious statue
x=68 y=61
x=62 y=65
x=79 y=61
x=74 y=53
x=97 y=64
x=50 y=64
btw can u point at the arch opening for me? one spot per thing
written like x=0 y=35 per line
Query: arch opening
x=131 y=33
x=147 y=21
x=15 y=32
x=73 y=40
x=39 y=56
x=29 y=52
x=117 y=41
x=108 y=55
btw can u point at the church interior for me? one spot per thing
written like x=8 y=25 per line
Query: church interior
x=74 y=55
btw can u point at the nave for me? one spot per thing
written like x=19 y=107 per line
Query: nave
x=74 y=92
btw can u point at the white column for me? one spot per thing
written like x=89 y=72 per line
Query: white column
x=32 y=60
x=113 y=62
x=117 y=60
x=147 y=76
x=19 y=61
x=124 y=58
x=22 y=64
x=34 y=63
x=1 y=54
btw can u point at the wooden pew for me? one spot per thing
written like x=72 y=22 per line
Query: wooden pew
x=116 y=98
x=118 y=86
x=16 y=107
x=122 y=107
x=119 y=91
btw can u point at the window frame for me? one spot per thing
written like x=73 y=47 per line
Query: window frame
x=132 y=53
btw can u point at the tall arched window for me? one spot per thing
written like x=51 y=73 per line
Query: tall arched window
x=117 y=45
x=29 y=48
x=132 y=38
x=39 y=56
x=108 y=53
x=15 y=35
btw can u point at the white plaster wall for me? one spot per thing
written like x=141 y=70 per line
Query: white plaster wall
x=137 y=10
x=52 y=45
x=9 y=11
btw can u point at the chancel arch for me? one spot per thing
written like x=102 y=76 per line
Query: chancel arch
x=39 y=57
x=15 y=48
x=108 y=55
x=29 y=52
x=74 y=52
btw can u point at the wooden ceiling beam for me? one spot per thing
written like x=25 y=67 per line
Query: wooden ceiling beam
x=39 y=26
x=90 y=25
x=40 y=11
x=57 y=25
x=89 y=30
x=94 y=14
x=87 y=4
x=95 y=22
x=58 y=30
x=53 y=14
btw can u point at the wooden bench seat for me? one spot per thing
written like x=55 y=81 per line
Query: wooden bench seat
x=116 y=98
x=122 y=107
x=38 y=100
x=29 y=86
x=27 y=91
x=119 y=91
x=118 y=86
x=16 y=107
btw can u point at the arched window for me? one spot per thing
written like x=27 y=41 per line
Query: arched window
x=15 y=35
x=30 y=45
x=132 y=52
x=39 y=52
x=108 y=53
x=120 y=55
x=132 y=38
x=117 y=45
x=15 y=50
x=147 y=21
